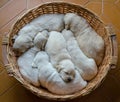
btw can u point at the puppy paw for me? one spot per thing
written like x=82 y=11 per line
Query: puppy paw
x=34 y=65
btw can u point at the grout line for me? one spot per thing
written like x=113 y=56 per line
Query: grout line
x=5 y=4
x=2 y=71
x=9 y=89
x=12 y=18
x=27 y=4
x=117 y=1
x=86 y=3
x=102 y=7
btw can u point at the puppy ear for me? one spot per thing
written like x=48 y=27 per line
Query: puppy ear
x=58 y=68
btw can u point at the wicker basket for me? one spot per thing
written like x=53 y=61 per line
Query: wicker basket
x=109 y=37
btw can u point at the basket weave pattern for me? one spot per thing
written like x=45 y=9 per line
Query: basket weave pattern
x=62 y=8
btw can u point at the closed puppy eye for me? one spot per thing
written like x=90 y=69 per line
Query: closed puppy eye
x=67 y=73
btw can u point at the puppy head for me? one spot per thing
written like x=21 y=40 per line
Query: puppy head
x=40 y=40
x=66 y=70
x=21 y=45
x=67 y=19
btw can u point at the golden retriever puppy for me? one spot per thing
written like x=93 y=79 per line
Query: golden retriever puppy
x=86 y=66
x=41 y=39
x=24 y=62
x=59 y=56
x=50 y=78
x=91 y=44
x=75 y=23
x=89 y=41
x=50 y=22
x=25 y=37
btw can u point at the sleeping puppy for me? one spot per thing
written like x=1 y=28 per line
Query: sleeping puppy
x=75 y=23
x=50 y=78
x=59 y=56
x=66 y=69
x=86 y=66
x=25 y=37
x=91 y=44
x=89 y=41
x=24 y=62
x=50 y=22
x=41 y=39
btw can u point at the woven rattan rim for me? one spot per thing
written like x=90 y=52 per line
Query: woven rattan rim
x=61 y=7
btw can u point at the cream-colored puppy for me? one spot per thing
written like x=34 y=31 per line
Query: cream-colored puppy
x=50 y=78
x=91 y=44
x=86 y=66
x=25 y=37
x=89 y=41
x=50 y=22
x=75 y=23
x=41 y=39
x=59 y=56
x=24 y=62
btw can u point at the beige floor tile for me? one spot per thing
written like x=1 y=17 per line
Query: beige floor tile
x=1 y=57
x=33 y=3
x=95 y=7
x=117 y=4
x=6 y=29
x=17 y=94
x=110 y=1
x=6 y=82
x=45 y=1
x=3 y=2
x=79 y=2
x=109 y=11
x=108 y=18
x=11 y=10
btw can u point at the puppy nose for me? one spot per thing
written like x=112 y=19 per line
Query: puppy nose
x=69 y=79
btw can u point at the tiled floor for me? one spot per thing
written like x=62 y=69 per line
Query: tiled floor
x=12 y=91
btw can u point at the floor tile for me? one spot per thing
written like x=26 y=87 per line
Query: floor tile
x=6 y=28
x=95 y=7
x=6 y=82
x=11 y=10
x=117 y=4
x=33 y=3
x=79 y=2
x=45 y=1
x=1 y=57
x=109 y=11
x=3 y=2
x=17 y=94
x=110 y=1
x=108 y=18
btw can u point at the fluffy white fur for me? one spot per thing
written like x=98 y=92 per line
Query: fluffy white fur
x=89 y=41
x=86 y=66
x=41 y=39
x=56 y=48
x=25 y=37
x=59 y=56
x=91 y=44
x=50 y=22
x=50 y=78
x=75 y=23
x=24 y=62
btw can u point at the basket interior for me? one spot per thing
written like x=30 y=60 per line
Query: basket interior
x=62 y=8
